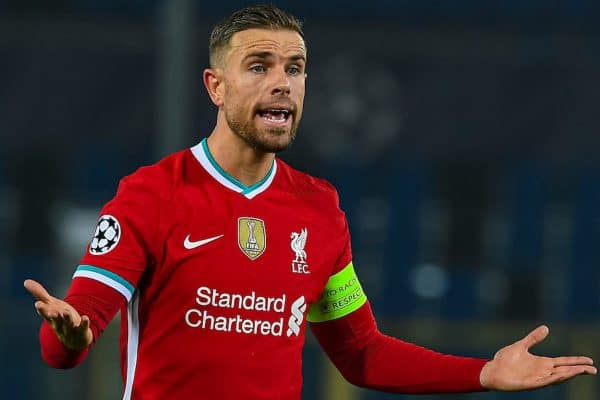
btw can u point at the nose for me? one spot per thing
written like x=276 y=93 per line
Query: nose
x=282 y=84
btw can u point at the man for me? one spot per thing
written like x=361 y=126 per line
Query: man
x=219 y=254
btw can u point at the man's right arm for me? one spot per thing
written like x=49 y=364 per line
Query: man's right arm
x=72 y=325
x=122 y=246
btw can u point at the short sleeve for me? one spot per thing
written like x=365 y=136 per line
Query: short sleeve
x=124 y=240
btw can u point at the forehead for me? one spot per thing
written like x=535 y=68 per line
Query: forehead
x=278 y=41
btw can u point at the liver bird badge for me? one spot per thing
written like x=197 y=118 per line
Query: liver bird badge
x=298 y=243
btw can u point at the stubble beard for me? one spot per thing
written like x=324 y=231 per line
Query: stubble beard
x=260 y=140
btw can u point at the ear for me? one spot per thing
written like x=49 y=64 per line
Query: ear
x=213 y=81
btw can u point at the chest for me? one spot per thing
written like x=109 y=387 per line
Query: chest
x=269 y=248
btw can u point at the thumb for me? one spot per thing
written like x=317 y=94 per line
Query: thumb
x=85 y=322
x=535 y=336
x=37 y=290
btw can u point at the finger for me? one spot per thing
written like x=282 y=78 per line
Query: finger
x=565 y=375
x=38 y=305
x=68 y=318
x=572 y=360
x=556 y=379
x=57 y=323
x=535 y=336
x=582 y=369
x=37 y=290
x=85 y=323
x=73 y=316
x=46 y=310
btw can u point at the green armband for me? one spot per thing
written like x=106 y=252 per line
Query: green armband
x=341 y=296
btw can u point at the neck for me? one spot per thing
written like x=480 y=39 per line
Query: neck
x=237 y=158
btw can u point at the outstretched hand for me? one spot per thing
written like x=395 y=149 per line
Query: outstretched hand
x=515 y=368
x=72 y=329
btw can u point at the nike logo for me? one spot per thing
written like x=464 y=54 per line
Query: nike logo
x=188 y=244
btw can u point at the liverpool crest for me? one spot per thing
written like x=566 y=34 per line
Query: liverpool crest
x=299 y=264
x=252 y=237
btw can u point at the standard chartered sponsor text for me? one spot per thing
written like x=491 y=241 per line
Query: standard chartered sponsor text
x=209 y=298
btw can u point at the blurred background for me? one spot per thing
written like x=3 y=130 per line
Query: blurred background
x=462 y=137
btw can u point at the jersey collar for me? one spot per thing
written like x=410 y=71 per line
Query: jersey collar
x=207 y=161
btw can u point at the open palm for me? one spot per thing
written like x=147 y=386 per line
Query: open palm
x=72 y=329
x=515 y=368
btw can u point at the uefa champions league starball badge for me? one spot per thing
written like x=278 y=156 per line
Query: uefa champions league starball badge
x=107 y=235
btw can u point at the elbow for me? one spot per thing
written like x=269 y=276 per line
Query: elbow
x=353 y=369
x=357 y=364
x=355 y=378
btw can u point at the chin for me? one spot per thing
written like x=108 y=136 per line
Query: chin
x=266 y=139
x=271 y=142
x=271 y=146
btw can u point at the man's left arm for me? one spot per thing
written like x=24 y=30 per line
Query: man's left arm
x=367 y=358
x=344 y=325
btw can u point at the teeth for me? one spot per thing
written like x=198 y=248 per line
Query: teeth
x=273 y=110
x=275 y=114
x=272 y=117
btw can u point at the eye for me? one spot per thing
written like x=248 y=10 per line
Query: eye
x=294 y=70
x=257 y=68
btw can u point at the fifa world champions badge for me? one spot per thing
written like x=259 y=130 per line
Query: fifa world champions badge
x=252 y=237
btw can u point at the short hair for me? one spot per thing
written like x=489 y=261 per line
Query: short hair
x=262 y=16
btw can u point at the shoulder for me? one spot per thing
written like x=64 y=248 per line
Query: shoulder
x=308 y=186
x=156 y=180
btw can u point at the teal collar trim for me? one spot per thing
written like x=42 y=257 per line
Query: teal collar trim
x=202 y=154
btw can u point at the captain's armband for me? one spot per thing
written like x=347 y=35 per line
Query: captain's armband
x=341 y=296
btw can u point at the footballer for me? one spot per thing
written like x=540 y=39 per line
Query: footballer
x=221 y=255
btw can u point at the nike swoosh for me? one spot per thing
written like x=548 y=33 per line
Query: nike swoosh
x=188 y=244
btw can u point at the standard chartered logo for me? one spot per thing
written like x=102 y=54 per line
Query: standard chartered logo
x=298 y=308
x=245 y=320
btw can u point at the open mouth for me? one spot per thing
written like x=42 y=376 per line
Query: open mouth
x=275 y=115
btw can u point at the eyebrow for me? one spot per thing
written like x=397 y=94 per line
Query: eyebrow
x=268 y=54
x=298 y=57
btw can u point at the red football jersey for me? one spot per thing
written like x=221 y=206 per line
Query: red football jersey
x=219 y=277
